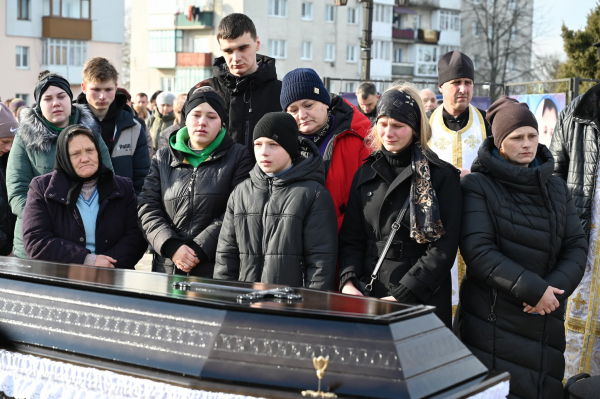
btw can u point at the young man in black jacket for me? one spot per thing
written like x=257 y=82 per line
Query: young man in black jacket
x=248 y=80
x=124 y=136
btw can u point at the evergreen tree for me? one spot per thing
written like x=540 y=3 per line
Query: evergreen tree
x=582 y=56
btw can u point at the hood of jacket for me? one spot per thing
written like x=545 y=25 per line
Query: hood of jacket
x=178 y=156
x=309 y=167
x=237 y=85
x=119 y=104
x=517 y=177
x=37 y=137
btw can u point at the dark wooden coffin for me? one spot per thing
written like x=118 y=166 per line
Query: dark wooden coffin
x=207 y=336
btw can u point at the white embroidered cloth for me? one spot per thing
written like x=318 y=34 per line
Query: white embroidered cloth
x=24 y=376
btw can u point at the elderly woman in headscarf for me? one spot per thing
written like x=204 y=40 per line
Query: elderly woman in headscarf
x=184 y=197
x=34 y=146
x=81 y=212
x=403 y=190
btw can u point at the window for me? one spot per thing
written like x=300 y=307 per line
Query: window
x=307 y=11
x=490 y=32
x=476 y=61
x=398 y=55
x=24 y=97
x=278 y=8
x=449 y=20
x=64 y=52
x=351 y=53
x=23 y=9
x=77 y=9
x=188 y=77
x=475 y=29
x=417 y=22
x=168 y=83
x=381 y=50
x=512 y=5
x=329 y=13
x=306 y=51
x=277 y=48
x=329 y=52
x=513 y=30
x=22 y=57
x=163 y=41
x=382 y=13
x=511 y=65
x=350 y=87
x=427 y=58
x=352 y=15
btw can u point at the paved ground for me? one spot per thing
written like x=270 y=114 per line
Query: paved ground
x=145 y=264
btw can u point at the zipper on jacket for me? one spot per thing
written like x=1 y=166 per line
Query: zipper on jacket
x=190 y=189
x=303 y=274
x=264 y=219
x=493 y=297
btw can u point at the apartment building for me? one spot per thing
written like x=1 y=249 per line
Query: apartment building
x=424 y=30
x=172 y=51
x=58 y=35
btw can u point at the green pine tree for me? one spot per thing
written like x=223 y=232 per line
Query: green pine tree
x=582 y=56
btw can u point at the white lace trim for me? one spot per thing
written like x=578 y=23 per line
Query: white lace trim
x=24 y=376
x=30 y=377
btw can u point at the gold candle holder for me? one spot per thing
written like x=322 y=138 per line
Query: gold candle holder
x=320 y=363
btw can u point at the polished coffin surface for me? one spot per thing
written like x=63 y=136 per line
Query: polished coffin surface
x=375 y=348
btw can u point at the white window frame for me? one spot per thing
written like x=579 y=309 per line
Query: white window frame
x=417 y=22
x=398 y=55
x=72 y=52
x=476 y=61
x=490 y=32
x=278 y=8
x=352 y=15
x=475 y=29
x=24 y=97
x=330 y=13
x=512 y=5
x=278 y=48
x=22 y=54
x=329 y=52
x=351 y=54
x=307 y=11
x=428 y=63
x=307 y=51
x=350 y=87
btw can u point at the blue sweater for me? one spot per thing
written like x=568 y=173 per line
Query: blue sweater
x=88 y=209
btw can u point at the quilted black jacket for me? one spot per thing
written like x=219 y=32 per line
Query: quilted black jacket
x=575 y=150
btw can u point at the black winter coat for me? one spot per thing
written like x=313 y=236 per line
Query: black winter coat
x=180 y=204
x=376 y=197
x=7 y=219
x=575 y=147
x=54 y=232
x=248 y=98
x=520 y=234
x=281 y=230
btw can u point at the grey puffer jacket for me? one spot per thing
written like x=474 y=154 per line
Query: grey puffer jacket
x=575 y=147
x=281 y=230
x=520 y=234
x=180 y=204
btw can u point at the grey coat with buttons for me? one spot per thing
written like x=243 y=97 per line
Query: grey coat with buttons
x=54 y=232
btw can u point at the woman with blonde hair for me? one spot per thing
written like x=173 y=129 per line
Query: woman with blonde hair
x=404 y=196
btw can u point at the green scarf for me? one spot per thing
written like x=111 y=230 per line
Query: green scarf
x=179 y=143
x=53 y=128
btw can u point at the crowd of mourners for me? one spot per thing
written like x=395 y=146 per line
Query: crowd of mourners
x=249 y=178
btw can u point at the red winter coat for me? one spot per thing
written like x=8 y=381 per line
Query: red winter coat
x=345 y=153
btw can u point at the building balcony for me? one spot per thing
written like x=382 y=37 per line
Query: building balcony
x=404 y=34
x=162 y=60
x=424 y=3
x=67 y=28
x=194 y=59
x=403 y=68
x=171 y=21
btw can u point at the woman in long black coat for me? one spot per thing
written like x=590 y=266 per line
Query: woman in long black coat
x=417 y=266
x=525 y=252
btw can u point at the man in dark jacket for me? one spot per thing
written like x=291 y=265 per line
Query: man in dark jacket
x=123 y=135
x=248 y=80
x=294 y=242
x=575 y=147
x=8 y=127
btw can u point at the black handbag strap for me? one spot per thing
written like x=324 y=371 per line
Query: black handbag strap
x=395 y=228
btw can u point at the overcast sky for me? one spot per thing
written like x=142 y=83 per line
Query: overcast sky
x=550 y=15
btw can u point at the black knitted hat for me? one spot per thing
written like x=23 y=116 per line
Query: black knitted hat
x=280 y=127
x=506 y=115
x=455 y=65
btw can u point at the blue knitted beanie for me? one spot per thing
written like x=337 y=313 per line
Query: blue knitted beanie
x=302 y=84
